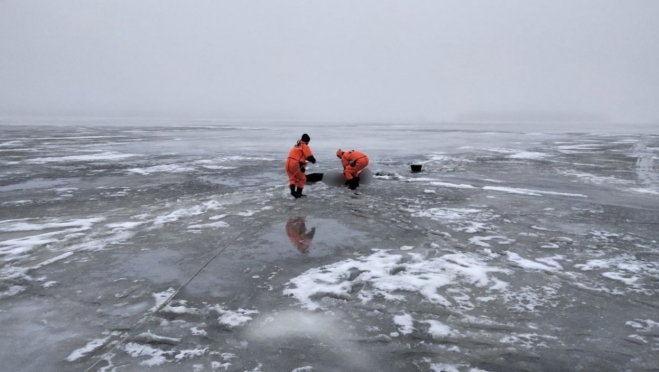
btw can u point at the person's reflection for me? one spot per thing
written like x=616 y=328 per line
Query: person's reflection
x=297 y=233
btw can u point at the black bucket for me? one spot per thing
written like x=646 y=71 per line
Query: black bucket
x=416 y=168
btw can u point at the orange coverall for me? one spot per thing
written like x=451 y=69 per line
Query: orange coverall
x=353 y=162
x=297 y=158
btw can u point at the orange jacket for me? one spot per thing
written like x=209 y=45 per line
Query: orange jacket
x=352 y=156
x=300 y=152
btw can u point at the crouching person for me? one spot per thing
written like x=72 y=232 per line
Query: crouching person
x=353 y=163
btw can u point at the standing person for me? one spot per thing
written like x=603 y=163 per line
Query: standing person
x=353 y=162
x=295 y=165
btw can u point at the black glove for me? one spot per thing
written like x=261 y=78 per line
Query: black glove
x=303 y=169
x=354 y=162
x=311 y=233
x=311 y=159
x=353 y=184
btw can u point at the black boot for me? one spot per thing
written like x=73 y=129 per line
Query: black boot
x=354 y=183
x=293 y=191
x=299 y=192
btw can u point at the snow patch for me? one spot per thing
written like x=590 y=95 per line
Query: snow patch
x=591 y=178
x=189 y=354
x=196 y=331
x=165 y=168
x=104 y=156
x=91 y=346
x=436 y=182
x=452 y=185
x=217 y=167
x=213 y=225
x=468 y=220
x=481 y=240
x=49 y=284
x=511 y=190
x=405 y=323
x=80 y=225
x=617 y=276
x=550 y=264
x=247 y=213
x=438 y=329
x=528 y=340
x=528 y=155
x=384 y=275
x=123 y=225
x=156 y=356
x=18 y=246
x=161 y=298
x=646 y=191
x=149 y=337
x=13 y=290
x=243 y=158
x=233 y=319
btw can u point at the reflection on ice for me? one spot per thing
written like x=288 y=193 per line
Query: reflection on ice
x=296 y=230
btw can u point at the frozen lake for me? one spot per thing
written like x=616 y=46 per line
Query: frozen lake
x=168 y=248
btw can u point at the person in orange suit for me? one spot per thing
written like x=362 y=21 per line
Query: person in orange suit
x=295 y=165
x=353 y=162
x=296 y=230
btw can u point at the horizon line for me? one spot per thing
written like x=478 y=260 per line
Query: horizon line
x=311 y=121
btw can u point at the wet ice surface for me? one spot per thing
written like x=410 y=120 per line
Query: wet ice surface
x=509 y=252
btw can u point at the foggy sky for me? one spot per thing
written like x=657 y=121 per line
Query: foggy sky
x=358 y=60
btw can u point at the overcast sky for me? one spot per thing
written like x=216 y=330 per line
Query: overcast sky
x=358 y=60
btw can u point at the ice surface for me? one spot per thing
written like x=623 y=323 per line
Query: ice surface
x=485 y=261
x=290 y=324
